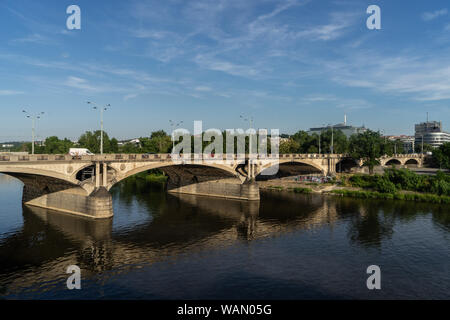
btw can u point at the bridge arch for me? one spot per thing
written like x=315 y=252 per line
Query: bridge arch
x=312 y=167
x=223 y=171
x=395 y=162
x=346 y=165
x=39 y=172
x=412 y=162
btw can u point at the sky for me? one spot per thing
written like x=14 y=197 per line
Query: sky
x=288 y=64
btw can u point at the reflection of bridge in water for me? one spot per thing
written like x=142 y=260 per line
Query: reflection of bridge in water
x=50 y=241
x=199 y=224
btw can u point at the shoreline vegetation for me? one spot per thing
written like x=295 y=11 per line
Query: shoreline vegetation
x=155 y=177
x=394 y=184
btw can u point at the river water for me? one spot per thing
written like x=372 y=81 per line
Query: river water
x=288 y=246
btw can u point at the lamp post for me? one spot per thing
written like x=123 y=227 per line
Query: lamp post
x=384 y=135
x=174 y=126
x=332 y=139
x=320 y=134
x=33 y=126
x=422 y=143
x=250 y=121
x=102 y=109
x=320 y=138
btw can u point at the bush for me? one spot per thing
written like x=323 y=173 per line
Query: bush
x=404 y=179
x=385 y=186
x=302 y=190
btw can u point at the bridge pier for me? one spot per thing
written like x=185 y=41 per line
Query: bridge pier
x=76 y=201
x=224 y=188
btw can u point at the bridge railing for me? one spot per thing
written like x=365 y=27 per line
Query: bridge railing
x=167 y=156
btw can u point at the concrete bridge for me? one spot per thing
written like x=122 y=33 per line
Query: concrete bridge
x=81 y=185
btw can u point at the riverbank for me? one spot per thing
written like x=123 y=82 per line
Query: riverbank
x=394 y=184
x=335 y=190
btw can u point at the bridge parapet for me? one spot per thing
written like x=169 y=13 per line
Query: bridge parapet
x=155 y=157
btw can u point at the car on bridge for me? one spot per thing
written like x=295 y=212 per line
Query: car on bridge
x=78 y=152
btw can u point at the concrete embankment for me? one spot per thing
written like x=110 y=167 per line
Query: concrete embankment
x=221 y=189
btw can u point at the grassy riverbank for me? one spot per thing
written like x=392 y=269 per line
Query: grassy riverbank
x=290 y=189
x=411 y=196
x=394 y=184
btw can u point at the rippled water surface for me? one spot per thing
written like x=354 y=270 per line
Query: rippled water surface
x=288 y=246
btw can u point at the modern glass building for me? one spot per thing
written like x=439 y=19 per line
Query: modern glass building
x=431 y=133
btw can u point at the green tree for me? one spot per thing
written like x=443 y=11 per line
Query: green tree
x=159 y=142
x=289 y=146
x=53 y=145
x=310 y=143
x=426 y=147
x=368 y=146
x=441 y=155
x=91 y=141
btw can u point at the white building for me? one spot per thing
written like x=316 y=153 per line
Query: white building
x=431 y=133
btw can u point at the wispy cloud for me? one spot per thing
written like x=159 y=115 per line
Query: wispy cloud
x=216 y=64
x=10 y=92
x=203 y=89
x=34 y=38
x=428 y=16
x=417 y=77
x=340 y=22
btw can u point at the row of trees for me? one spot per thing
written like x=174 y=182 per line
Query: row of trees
x=158 y=142
x=369 y=146
x=302 y=142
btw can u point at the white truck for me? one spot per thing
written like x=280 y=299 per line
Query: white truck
x=78 y=152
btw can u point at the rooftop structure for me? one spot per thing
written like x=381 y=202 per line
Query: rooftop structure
x=346 y=129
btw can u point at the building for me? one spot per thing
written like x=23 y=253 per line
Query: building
x=408 y=142
x=348 y=130
x=431 y=133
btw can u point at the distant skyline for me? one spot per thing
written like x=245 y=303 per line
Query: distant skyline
x=290 y=64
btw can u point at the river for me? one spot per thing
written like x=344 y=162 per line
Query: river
x=162 y=246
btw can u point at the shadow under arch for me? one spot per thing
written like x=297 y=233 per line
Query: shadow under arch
x=395 y=162
x=35 y=185
x=346 y=165
x=288 y=169
x=180 y=175
x=412 y=163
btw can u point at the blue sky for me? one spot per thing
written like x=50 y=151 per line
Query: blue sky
x=291 y=64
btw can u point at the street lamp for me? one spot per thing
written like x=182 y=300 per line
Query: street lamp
x=96 y=107
x=320 y=136
x=384 y=135
x=332 y=139
x=422 y=143
x=33 y=126
x=250 y=121
x=174 y=126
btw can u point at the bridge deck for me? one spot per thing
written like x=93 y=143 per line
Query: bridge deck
x=167 y=156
